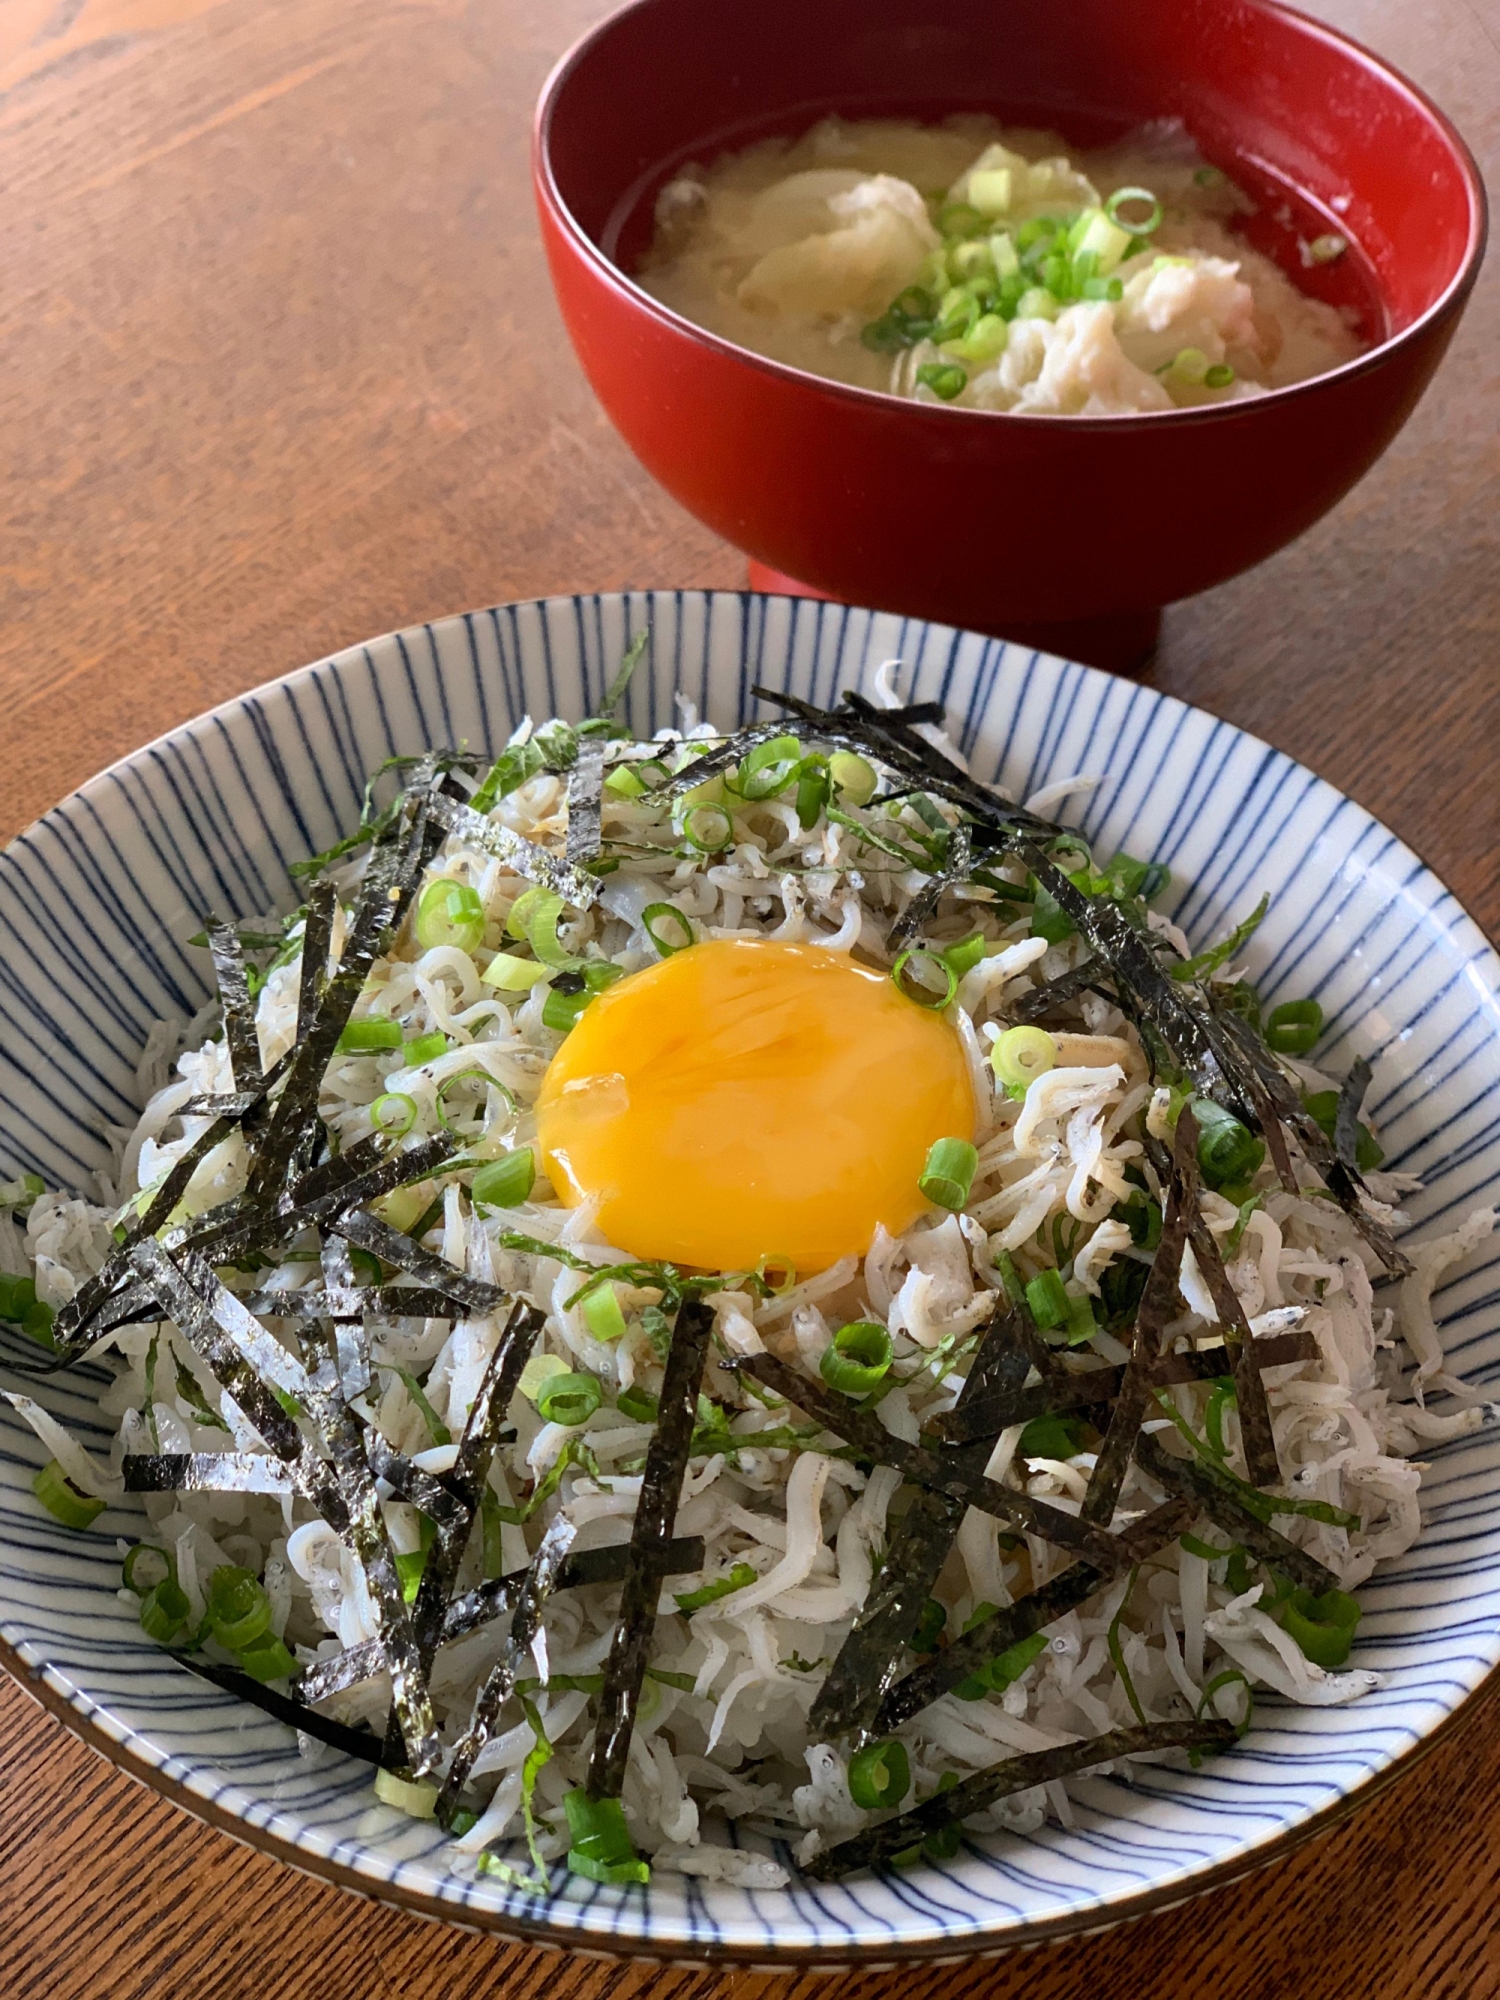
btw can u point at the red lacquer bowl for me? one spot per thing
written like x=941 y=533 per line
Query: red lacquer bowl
x=1068 y=531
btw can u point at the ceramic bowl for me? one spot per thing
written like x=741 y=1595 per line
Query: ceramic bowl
x=97 y=900
x=1081 y=526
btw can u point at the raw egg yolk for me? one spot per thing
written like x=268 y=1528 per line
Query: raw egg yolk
x=747 y=1099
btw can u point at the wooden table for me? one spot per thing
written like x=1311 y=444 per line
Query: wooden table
x=279 y=368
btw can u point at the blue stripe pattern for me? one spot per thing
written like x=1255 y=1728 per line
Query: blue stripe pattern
x=97 y=900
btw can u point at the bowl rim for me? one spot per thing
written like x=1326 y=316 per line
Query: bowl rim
x=1446 y=306
x=47 y=1683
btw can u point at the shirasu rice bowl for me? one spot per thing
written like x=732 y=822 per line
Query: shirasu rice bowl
x=783 y=1546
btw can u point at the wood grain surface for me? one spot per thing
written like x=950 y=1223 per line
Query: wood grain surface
x=279 y=369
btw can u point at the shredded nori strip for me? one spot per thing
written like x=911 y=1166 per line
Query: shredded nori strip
x=523 y=856
x=1156 y=1309
x=428 y=1490
x=870 y=1657
x=1002 y=1781
x=924 y=905
x=650 y=1537
x=348 y=1323
x=368 y=1232
x=487 y=1602
x=411 y=1699
x=184 y=1293
x=585 y=797
x=398 y=1169
x=1218 y=1495
x=1091 y=1387
x=1343 y=1182
x=1007 y=1627
x=317 y=942
x=471 y=1470
x=204 y=1472
x=943 y=1472
x=296 y=1715
x=539 y=1583
x=1044 y=1000
x=240 y=1037
x=1250 y=1392
x=1346 y=1119
x=355 y=1302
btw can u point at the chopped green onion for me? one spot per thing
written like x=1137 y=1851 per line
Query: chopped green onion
x=923 y=993
x=482 y=1076
x=985 y=340
x=854 y=779
x=768 y=769
x=1322 y=1626
x=1219 y=376
x=36 y=1323
x=1117 y=200
x=858 y=1358
x=879 y=1775
x=1021 y=1055
x=1227 y=1150
x=512 y=974
x=655 y=915
x=164 y=1611
x=1096 y=237
x=1010 y=1277
x=944 y=378
x=449 y=912
x=708 y=828
x=949 y=1173
x=362 y=1038
x=599 y=1843
x=1294 y=1027
x=268 y=1660
x=602 y=1315
x=638 y=1404
x=1210 y=177
x=62 y=1499
x=777 y=1273
x=930 y=1627
x=569 y=1399
x=393 y=1112
x=1047 y=1299
x=17 y=1297
x=965 y=955
x=134 y=1556
x=239 y=1611
x=738 y=1577
x=1324 y=249
x=539 y=910
x=424 y=1049
x=997 y=1674
x=561 y=1011
x=814 y=789
x=1189 y=364
x=1055 y=1435
x=1036 y=302
x=413 y=1796
x=624 y=783
x=1323 y=1108
x=961 y=219
x=537 y=1371
x=506 y=1182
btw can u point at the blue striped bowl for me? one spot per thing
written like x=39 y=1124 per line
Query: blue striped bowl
x=96 y=900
